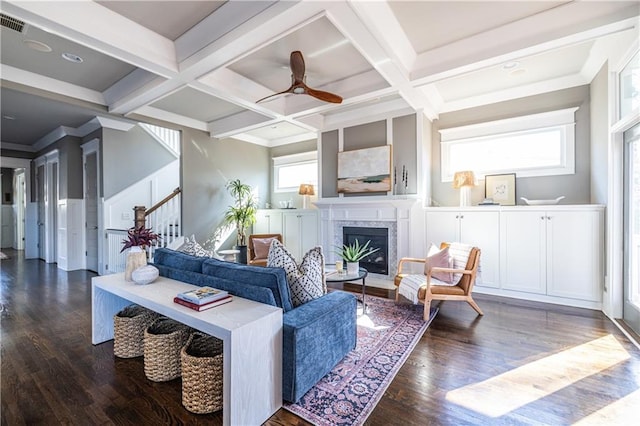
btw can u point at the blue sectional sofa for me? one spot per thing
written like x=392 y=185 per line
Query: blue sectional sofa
x=316 y=335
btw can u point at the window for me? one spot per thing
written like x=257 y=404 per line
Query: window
x=291 y=170
x=532 y=145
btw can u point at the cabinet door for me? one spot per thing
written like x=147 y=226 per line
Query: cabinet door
x=482 y=229
x=308 y=232
x=291 y=234
x=268 y=222
x=573 y=255
x=522 y=251
x=442 y=226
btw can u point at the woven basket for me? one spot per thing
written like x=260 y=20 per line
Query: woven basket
x=128 y=329
x=202 y=374
x=163 y=341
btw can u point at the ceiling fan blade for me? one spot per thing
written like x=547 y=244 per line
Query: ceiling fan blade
x=324 y=96
x=289 y=90
x=296 y=62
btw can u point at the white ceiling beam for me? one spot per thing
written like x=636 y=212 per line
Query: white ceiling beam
x=251 y=139
x=16 y=147
x=239 y=123
x=49 y=84
x=160 y=114
x=368 y=113
x=90 y=24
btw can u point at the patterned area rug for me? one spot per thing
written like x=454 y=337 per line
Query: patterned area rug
x=350 y=392
x=3 y=256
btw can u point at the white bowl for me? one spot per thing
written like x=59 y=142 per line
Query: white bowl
x=542 y=202
x=145 y=274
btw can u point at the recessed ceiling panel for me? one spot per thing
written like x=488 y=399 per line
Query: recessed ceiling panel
x=328 y=57
x=195 y=104
x=278 y=131
x=96 y=71
x=170 y=19
x=539 y=68
x=26 y=118
x=432 y=24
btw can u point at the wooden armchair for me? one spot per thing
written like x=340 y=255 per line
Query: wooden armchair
x=461 y=291
x=262 y=241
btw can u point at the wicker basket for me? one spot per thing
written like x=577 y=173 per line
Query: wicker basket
x=202 y=374
x=128 y=329
x=163 y=341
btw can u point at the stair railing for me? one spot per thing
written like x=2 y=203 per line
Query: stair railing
x=164 y=218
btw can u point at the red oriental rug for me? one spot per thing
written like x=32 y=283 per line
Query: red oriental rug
x=348 y=394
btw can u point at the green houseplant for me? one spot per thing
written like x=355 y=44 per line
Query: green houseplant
x=137 y=241
x=242 y=213
x=352 y=254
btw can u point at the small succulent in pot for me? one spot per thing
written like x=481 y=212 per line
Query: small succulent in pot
x=355 y=252
x=139 y=237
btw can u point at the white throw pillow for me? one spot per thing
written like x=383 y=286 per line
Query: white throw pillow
x=192 y=247
x=306 y=281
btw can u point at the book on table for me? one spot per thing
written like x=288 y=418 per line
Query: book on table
x=204 y=306
x=203 y=295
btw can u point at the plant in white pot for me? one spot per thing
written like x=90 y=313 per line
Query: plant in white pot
x=137 y=241
x=352 y=254
x=242 y=213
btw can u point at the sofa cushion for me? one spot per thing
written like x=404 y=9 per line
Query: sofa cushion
x=306 y=281
x=176 y=259
x=273 y=279
x=192 y=247
x=247 y=291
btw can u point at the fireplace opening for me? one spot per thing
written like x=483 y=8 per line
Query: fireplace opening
x=378 y=262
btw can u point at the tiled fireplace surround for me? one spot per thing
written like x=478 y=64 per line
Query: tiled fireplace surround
x=369 y=212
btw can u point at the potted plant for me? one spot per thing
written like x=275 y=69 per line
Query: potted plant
x=137 y=241
x=352 y=254
x=242 y=213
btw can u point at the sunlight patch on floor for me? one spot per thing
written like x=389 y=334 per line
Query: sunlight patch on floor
x=365 y=321
x=624 y=411
x=502 y=394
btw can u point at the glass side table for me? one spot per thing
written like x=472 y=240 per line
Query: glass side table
x=333 y=276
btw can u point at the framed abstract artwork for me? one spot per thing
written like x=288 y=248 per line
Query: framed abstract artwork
x=365 y=170
x=501 y=188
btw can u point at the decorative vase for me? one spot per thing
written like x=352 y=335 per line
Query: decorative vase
x=353 y=268
x=145 y=274
x=136 y=257
x=242 y=256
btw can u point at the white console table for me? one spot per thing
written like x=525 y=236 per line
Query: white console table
x=251 y=333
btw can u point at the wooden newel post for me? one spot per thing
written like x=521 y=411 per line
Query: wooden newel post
x=139 y=216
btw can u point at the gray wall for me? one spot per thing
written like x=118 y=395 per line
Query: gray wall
x=369 y=135
x=278 y=151
x=128 y=157
x=207 y=165
x=69 y=167
x=576 y=188
x=599 y=136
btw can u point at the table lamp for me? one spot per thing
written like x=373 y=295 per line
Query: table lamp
x=464 y=181
x=305 y=190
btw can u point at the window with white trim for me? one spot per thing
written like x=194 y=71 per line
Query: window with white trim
x=533 y=145
x=289 y=171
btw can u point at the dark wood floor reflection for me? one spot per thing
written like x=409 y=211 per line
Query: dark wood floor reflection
x=522 y=363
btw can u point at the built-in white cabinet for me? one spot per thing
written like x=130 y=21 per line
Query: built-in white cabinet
x=299 y=228
x=473 y=226
x=563 y=254
x=545 y=253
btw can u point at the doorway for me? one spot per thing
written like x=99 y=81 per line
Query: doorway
x=631 y=306
x=20 y=207
x=40 y=199
x=91 y=209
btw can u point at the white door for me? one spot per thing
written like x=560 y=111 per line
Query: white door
x=308 y=232
x=482 y=230
x=91 y=210
x=631 y=306
x=442 y=226
x=522 y=251
x=20 y=206
x=268 y=222
x=40 y=198
x=53 y=205
x=573 y=255
x=291 y=225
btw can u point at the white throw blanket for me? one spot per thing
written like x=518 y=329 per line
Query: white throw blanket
x=410 y=285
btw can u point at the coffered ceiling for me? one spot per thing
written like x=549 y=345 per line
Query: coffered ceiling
x=204 y=64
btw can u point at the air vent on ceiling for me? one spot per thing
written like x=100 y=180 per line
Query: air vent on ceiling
x=12 y=23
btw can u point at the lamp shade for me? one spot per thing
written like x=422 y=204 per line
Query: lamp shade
x=464 y=178
x=306 y=189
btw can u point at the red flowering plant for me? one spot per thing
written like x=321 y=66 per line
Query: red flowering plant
x=139 y=237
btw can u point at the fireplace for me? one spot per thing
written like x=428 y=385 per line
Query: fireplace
x=378 y=262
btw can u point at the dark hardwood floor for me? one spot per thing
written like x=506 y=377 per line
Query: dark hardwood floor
x=522 y=363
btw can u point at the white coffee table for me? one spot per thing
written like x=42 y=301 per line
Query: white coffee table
x=251 y=333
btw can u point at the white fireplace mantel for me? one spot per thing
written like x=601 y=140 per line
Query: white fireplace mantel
x=396 y=211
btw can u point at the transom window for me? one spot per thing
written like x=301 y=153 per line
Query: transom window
x=290 y=171
x=533 y=145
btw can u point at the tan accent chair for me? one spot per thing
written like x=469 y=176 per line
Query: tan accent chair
x=252 y=259
x=462 y=291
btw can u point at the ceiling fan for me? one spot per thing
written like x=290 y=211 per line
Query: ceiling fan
x=298 y=86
